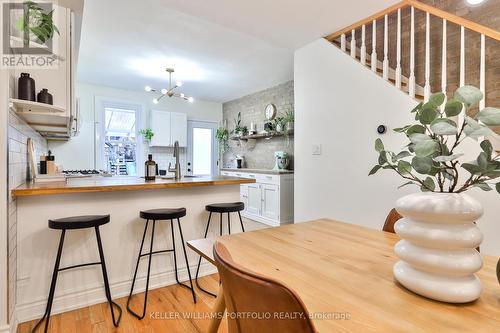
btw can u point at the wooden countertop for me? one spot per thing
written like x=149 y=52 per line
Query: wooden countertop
x=123 y=183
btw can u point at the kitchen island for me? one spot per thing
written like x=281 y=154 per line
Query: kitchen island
x=123 y=198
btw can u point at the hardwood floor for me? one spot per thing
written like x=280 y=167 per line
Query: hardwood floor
x=170 y=309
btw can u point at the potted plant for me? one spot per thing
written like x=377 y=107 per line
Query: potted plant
x=222 y=137
x=289 y=119
x=35 y=22
x=439 y=237
x=238 y=129
x=279 y=124
x=147 y=133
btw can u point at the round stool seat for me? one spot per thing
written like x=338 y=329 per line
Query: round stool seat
x=226 y=207
x=79 y=222
x=163 y=213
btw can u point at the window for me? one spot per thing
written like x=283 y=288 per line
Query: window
x=119 y=144
x=202 y=148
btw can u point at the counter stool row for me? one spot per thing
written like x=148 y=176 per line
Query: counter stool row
x=151 y=217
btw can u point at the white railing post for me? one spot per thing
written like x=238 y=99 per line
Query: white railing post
x=462 y=56
x=427 y=86
x=342 y=42
x=353 y=43
x=444 y=61
x=385 y=72
x=411 y=79
x=482 y=71
x=363 y=45
x=398 y=52
x=374 y=46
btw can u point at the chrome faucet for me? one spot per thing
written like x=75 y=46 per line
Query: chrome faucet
x=177 y=168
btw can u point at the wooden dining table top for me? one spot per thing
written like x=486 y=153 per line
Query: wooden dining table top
x=343 y=274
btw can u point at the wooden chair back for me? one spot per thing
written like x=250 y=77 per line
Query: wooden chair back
x=256 y=303
x=391 y=219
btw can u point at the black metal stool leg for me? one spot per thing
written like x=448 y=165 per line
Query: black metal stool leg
x=52 y=286
x=241 y=222
x=220 y=231
x=187 y=262
x=149 y=271
x=229 y=223
x=116 y=322
x=199 y=262
x=175 y=260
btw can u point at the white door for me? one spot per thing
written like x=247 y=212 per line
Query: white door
x=244 y=195
x=270 y=201
x=178 y=128
x=202 y=148
x=254 y=205
x=160 y=124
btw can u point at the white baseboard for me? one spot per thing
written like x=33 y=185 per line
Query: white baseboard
x=75 y=300
x=5 y=328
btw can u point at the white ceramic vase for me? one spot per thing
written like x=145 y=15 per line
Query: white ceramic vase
x=438 y=247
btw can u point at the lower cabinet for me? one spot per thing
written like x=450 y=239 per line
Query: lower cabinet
x=269 y=200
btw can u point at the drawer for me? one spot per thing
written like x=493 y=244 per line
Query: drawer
x=268 y=179
x=238 y=174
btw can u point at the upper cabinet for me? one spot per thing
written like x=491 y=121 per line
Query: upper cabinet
x=168 y=127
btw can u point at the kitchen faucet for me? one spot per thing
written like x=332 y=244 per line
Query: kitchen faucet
x=177 y=168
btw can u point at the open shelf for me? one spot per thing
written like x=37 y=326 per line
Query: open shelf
x=267 y=135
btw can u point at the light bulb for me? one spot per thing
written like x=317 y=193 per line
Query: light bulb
x=148 y=88
x=182 y=95
x=474 y=2
x=179 y=84
x=164 y=91
x=155 y=101
x=190 y=99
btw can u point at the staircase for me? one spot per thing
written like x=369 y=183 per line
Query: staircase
x=417 y=36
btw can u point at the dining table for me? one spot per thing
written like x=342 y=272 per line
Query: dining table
x=344 y=275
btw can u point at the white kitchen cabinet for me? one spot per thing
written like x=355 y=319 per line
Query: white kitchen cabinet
x=168 y=127
x=269 y=200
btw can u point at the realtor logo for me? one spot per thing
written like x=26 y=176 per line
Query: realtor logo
x=29 y=34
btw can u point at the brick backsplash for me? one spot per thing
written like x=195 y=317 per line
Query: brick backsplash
x=18 y=132
x=252 y=111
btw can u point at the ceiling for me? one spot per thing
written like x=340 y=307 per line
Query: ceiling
x=220 y=49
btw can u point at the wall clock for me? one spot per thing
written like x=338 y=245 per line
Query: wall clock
x=270 y=111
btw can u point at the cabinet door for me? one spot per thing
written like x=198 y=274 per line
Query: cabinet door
x=244 y=195
x=160 y=124
x=178 y=125
x=270 y=201
x=254 y=205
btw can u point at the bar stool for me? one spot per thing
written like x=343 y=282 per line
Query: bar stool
x=220 y=208
x=159 y=215
x=74 y=223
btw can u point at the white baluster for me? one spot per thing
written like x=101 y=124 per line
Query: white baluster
x=462 y=56
x=374 y=46
x=363 y=45
x=342 y=42
x=427 y=86
x=444 y=62
x=411 y=79
x=482 y=71
x=398 y=51
x=385 y=72
x=353 y=43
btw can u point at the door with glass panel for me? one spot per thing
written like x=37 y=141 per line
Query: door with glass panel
x=202 y=148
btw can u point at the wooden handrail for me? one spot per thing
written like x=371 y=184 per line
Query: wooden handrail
x=492 y=33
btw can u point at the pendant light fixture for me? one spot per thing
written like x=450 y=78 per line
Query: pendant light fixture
x=170 y=92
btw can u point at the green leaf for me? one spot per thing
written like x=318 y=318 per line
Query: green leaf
x=482 y=161
x=483 y=186
x=444 y=126
x=401 y=129
x=379 y=146
x=474 y=130
x=429 y=184
x=489 y=116
x=374 y=170
x=437 y=99
x=487 y=148
x=404 y=167
x=472 y=167
x=382 y=158
x=469 y=95
x=422 y=165
x=498 y=187
x=427 y=114
x=417 y=137
x=447 y=158
x=453 y=108
x=405 y=184
x=402 y=154
x=426 y=148
x=415 y=129
x=417 y=108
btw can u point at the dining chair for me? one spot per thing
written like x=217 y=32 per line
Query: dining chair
x=256 y=303
x=391 y=219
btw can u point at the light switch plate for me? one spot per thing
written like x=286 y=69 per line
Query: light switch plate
x=316 y=149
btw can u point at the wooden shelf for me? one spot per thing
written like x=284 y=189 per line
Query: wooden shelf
x=268 y=135
x=22 y=106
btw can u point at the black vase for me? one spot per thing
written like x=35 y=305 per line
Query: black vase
x=26 y=88
x=45 y=97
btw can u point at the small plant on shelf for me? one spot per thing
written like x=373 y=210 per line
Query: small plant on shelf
x=222 y=137
x=238 y=129
x=279 y=124
x=147 y=133
x=289 y=120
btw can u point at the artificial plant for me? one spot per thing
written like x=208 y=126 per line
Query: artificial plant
x=431 y=159
x=147 y=133
x=38 y=22
x=222 y=137
x=238 y=129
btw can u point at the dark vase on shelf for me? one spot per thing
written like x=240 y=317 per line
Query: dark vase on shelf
x=26 y=88
x=45 y=97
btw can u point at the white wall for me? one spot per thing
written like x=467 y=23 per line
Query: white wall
x=339 y=104
x=78 y=153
